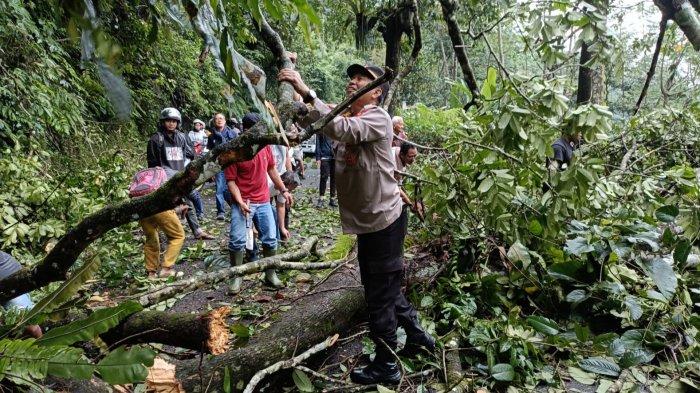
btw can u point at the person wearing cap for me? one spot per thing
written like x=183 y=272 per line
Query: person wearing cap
x=398 y=124
x=199 y=138
x=370 y=207
x=250 y=195
x=220 y=133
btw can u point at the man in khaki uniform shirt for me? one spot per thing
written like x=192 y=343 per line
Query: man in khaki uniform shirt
x=370 y=206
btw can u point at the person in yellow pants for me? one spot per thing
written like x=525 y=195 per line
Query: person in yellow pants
x=169 y=223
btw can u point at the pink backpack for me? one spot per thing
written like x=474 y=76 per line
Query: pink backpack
x=146 y=181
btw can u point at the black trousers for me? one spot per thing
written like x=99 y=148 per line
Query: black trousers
x=327 y=172
x=380 y=255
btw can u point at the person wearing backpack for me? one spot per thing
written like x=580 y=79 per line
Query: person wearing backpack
x=171 y=149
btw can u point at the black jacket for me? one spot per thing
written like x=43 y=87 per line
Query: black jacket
x=169 y=150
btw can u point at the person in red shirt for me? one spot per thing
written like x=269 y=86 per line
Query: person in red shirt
x=250 y=198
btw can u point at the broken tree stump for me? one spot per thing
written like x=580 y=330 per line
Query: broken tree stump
x=206 y=332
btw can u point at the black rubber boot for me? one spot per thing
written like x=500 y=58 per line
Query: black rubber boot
x=417 y=340
x=382 y=370
x=235 y=259
x=270 y=274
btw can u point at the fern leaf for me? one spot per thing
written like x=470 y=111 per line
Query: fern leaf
x=122 y=366
x=86 y=329
x=70 y=363
x=23 y=362
x=64 y=292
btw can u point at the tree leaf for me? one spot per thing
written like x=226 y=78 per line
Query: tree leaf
x=681 y=252
x=633 y=306
x=581 y=376
x=382 y=389
x=600 y=365
x=636 y=357
x=543 y=325
x=121 y=366
x=70 y=363
x=667 y=213
x=302 y=381
x=663 y=276
x=486 y=184
x=577 y=296
x=86 y=329
x=503 y=372
x=519 y=253
x=578 y=246
x=64 y=292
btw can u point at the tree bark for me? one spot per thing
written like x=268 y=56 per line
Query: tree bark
x=417 y=45
x=684 y=13
x=585 y=81
x=333 y=306
x=448 y=10
x=206 y=332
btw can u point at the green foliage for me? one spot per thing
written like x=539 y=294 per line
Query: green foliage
x=28 y=361
x=589 y=264
x=97 y=323
x=62 y=294
x=125 y=366
x=429 y=126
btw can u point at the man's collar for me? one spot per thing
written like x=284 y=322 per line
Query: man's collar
x=364 y=108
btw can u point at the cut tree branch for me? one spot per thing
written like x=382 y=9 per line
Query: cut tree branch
x=654 y=60
x=296 y=360
x=206 y=332
x=448 y=11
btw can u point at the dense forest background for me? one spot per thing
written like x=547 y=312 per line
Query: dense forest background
x=593 y=278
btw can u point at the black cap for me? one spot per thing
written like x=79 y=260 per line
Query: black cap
x=249 y=120
x=371 y=71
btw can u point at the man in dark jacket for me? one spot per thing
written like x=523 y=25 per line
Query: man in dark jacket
x=220 y=133
x=170 y=148
x=326 y=163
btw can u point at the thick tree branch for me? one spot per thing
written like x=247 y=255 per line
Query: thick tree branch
x=654 y=60
x=206 y=332
x=448 y=10
x=683 y=12
x=417 y=45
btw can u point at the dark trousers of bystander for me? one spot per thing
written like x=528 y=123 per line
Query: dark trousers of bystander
x=380 y=255
x=327 y=173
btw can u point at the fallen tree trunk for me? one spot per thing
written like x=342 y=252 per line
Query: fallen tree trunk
x=206 y=332
x=334 y=306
